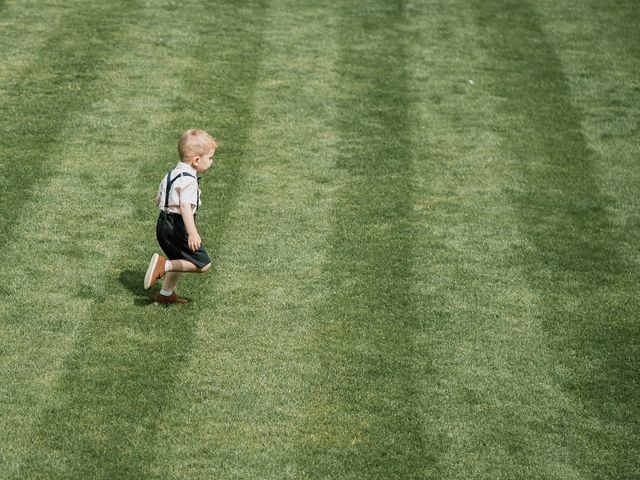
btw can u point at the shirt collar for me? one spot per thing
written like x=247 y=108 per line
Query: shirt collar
x=185 y=167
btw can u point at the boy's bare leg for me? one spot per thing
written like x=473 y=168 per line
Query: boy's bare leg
x=185 y=266
x=176 y=267
x=170 y=281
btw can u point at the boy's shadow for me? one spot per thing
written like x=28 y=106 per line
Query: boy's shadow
x=132 y=281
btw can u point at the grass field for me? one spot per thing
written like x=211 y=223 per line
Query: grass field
x=425 y=223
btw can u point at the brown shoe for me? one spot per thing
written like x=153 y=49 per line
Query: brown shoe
x=155 y=270
x=168 y=300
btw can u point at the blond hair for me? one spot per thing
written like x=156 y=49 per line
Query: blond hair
x=195 y=143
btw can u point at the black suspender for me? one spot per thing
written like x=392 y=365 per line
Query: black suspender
x=170 y=182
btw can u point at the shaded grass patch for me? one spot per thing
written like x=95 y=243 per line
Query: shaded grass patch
x=575 y=264
x=365 y=418
x=59 y=81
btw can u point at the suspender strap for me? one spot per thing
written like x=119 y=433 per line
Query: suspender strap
x=198 y=193
x=170 y=182
x=166 y=201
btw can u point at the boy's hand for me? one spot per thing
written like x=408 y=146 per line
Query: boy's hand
x=194 y=241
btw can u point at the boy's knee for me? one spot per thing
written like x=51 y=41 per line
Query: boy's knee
x=206 y=267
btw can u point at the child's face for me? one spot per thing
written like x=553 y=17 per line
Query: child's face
x=202 y=163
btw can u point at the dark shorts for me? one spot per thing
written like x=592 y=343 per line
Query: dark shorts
x=172 y=237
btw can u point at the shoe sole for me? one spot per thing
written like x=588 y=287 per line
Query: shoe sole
x=148 y=282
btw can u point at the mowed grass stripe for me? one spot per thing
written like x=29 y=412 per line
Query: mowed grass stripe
x=219 y=96
x=119 y=374
x=605 y=82
x=484 y=387
x=24 y=30
x=37 y=312
x=621 y=22
x=581 y=278
x=491 y=400
x=56 y=83
x=364 y=420
x=246 y=381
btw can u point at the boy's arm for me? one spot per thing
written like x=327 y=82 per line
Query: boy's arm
x=194 y=240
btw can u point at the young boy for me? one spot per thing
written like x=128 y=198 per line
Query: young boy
x=179 y=199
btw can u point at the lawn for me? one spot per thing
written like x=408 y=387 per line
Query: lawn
x=424 y=223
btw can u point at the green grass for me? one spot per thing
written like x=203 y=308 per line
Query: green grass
x=424 y=223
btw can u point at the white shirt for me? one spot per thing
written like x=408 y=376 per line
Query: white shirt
x=183 y=190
